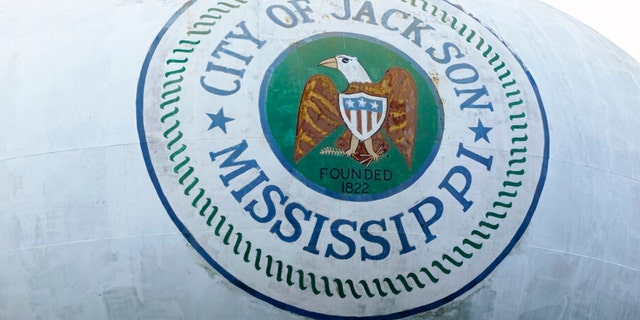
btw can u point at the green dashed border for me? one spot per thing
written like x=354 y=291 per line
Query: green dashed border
x=322 y=285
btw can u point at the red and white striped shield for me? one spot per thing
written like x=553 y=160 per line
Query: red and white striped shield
x=363 y=114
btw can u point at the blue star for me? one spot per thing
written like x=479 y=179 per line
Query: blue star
x=219 y=120
x=481 y=132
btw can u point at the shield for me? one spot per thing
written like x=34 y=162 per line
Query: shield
x=363 y=114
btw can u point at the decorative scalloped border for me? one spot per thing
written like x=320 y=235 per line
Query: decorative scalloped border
x=274 y=268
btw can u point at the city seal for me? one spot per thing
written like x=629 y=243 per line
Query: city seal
x=343 y=158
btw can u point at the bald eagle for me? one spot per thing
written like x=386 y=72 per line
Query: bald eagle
x=366 y=108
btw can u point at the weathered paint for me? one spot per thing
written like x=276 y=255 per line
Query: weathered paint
x=83 y=234
x=410 y=209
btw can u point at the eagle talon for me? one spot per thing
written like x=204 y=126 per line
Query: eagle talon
x=353 y=146
x=368 y=145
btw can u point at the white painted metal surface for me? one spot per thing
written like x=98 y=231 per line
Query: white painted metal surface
x=83 y=234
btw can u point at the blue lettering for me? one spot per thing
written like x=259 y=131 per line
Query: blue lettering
x=271 y=208
x=406 y=247
x=367 y=9
x=302 y=11
x=295 y=224
x=289 y=21
x=245 y=35
x=458 y=194
x=351 y=245
x=462 y=151
x=221 y=51
x=387 y=15
x=366 y=235
x=437 y=214
x=347 y=11
x=476 y=94
x=243 y=166
x=312 y=247
x=459 y=69
x=446 y=47
x=415 y=28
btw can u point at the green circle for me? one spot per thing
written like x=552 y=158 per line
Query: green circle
x=286 y=81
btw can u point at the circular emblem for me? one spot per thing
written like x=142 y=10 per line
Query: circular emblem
x=351 y=138
x=342 y=158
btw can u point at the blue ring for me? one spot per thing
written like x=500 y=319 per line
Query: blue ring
x=308 y=182
x=189 y=237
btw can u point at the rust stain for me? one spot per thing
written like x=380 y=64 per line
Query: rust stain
x=436 y=79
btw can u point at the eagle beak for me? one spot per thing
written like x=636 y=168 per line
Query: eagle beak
x=331 y=63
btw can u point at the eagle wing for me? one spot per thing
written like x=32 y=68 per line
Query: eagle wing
x=399 y=87
x=318 y=114
x=402 y=102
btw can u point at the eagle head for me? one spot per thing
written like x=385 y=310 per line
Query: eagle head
x=349 y=66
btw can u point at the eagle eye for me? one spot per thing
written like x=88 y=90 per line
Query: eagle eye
x=345 y=60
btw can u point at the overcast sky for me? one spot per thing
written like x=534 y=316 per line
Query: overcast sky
x=615 y=19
